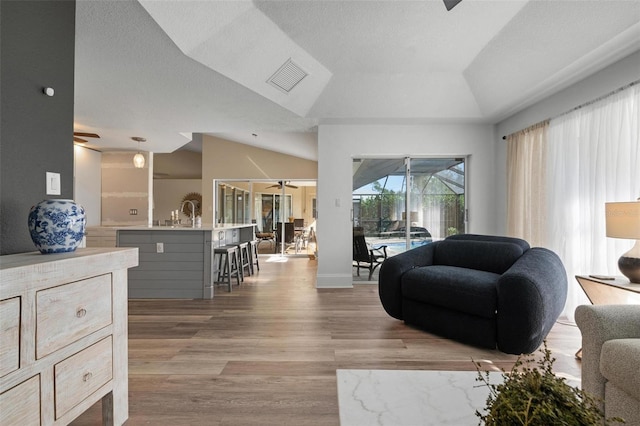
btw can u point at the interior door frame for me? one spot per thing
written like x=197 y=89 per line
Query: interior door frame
x=284 y=198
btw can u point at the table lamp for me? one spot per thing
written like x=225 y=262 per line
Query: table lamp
x=623 y=221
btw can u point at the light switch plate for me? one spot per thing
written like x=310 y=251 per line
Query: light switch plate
x=53 y=183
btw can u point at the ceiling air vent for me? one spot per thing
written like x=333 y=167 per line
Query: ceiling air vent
x=287 y=77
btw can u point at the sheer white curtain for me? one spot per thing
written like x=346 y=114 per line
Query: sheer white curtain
x=526 y=184
x=593 y=157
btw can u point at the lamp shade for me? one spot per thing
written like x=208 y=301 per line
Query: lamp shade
x=138 y=161
x=623 y=220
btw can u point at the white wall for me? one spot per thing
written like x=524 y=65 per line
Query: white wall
x=339 y=144
x=87 y=187
x=599 y=84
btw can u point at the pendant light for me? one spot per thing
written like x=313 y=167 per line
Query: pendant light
x=138 y=159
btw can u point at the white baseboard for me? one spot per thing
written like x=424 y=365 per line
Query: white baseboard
x=334 y=281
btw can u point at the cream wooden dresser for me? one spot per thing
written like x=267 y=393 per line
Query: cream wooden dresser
x=63 y=341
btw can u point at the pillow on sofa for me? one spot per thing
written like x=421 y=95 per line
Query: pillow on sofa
x=490 y=256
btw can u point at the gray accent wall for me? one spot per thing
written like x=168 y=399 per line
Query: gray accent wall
x=37 y=43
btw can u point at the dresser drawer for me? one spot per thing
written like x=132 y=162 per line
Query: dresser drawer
x=81 y=374
x=9 y=335
x=20 y=405
x=69 y=312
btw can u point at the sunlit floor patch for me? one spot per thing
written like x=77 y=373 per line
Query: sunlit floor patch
x=277 y=258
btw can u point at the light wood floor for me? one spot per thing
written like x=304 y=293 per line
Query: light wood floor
x=267 y=353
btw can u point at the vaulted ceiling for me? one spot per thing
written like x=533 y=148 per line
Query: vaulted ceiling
x=166 y=69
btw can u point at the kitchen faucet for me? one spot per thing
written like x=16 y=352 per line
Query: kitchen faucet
x=193 y=211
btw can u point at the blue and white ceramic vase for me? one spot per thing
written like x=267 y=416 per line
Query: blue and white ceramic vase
x=57 y=226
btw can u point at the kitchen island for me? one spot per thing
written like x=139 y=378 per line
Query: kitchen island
x=177 y=262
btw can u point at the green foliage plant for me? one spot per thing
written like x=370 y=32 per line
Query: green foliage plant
x=452 y=230
x=533 y=395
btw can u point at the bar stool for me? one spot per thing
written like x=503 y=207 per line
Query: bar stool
x=227 y=264
x=253 y=254
x=245 y=259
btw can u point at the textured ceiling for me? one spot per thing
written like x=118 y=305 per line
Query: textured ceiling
x=166 y=69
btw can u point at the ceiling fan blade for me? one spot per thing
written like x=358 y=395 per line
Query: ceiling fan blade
x=279 y=185
x=79 y=140
x=87 y=135
x=450 y=4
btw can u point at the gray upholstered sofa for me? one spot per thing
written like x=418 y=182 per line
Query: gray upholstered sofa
x=482 y=290
x=611 y=358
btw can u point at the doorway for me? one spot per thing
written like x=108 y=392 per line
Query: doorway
x=283 y=211
x=431 y=190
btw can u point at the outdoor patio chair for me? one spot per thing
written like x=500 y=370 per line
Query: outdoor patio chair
x=364 y=256
x=289 y=235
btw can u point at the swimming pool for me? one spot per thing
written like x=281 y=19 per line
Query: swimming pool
x=398 y=247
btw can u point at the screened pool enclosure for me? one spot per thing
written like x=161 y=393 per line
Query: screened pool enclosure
x=432 y=190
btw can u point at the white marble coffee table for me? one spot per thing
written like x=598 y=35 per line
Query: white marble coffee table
x=410 y=397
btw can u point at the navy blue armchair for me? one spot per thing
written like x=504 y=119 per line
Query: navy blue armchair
x=487 y=291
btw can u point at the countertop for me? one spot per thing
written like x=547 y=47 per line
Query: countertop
x=207 y=227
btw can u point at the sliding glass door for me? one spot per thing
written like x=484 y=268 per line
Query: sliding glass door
x=272 y=208
x=283 y=211
x=233 y=202
x=407 y=202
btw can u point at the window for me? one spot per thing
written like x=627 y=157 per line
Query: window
x=432 y=190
